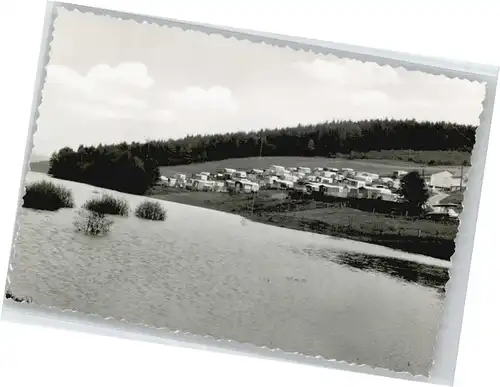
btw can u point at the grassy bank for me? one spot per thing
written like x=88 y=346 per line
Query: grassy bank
x=419 y=236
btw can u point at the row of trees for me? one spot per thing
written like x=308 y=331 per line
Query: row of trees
x=118 y=167
x=324 y=139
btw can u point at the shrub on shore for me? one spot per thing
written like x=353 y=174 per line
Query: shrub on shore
x=92 y=223
x=150 y=210
x=45 y=195
x=107 y=204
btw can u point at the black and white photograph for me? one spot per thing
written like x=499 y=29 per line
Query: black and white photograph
x=243 y=191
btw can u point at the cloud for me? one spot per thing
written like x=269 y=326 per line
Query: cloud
x=193 y=97
x=132 y=74
x=93 y=110
x=63 y=75
x=348 y=72
x=162 y=115
x=127 y=102
x=104 y=92
x=98 y=111
x=319 y=69
x=101 y=76
x=369 y=98
x=113 y=86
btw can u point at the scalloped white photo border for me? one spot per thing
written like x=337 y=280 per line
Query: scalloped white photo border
x=449 y=332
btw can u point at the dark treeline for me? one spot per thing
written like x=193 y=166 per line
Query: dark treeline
x=134 y=167
x=324 y=139
x=119 y=167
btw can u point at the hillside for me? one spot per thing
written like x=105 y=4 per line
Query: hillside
x=447 y=143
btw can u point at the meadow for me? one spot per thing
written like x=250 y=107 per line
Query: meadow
x=425 y=157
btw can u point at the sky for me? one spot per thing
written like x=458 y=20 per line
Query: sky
x=110 y=80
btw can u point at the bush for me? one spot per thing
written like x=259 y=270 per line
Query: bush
x=107 y=204
x=92 y=223
x=45 y=195
x=150 y=210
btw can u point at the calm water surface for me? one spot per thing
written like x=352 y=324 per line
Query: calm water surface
x=210 y=273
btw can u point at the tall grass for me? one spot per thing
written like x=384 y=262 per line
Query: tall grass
x=45 y=195
x=107 y=204
x=150 y=210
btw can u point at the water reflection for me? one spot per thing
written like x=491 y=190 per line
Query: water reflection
x=431 y=276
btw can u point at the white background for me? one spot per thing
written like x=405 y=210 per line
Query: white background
x=463 y=30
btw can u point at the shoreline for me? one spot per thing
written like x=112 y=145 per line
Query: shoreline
x=437 y=247
x=269 y=210
x=419 y=246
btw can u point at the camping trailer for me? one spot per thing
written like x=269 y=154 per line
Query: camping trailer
x=353 y=183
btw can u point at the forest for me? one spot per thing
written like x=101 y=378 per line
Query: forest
x=114 y=167
x=320 y=140
x=133 y=167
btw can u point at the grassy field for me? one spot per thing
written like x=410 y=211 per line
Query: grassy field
x=381 y=167
x=419 y=236
x=431 y=158
x=453 y=198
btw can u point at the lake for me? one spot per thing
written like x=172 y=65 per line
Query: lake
x=212 y=273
